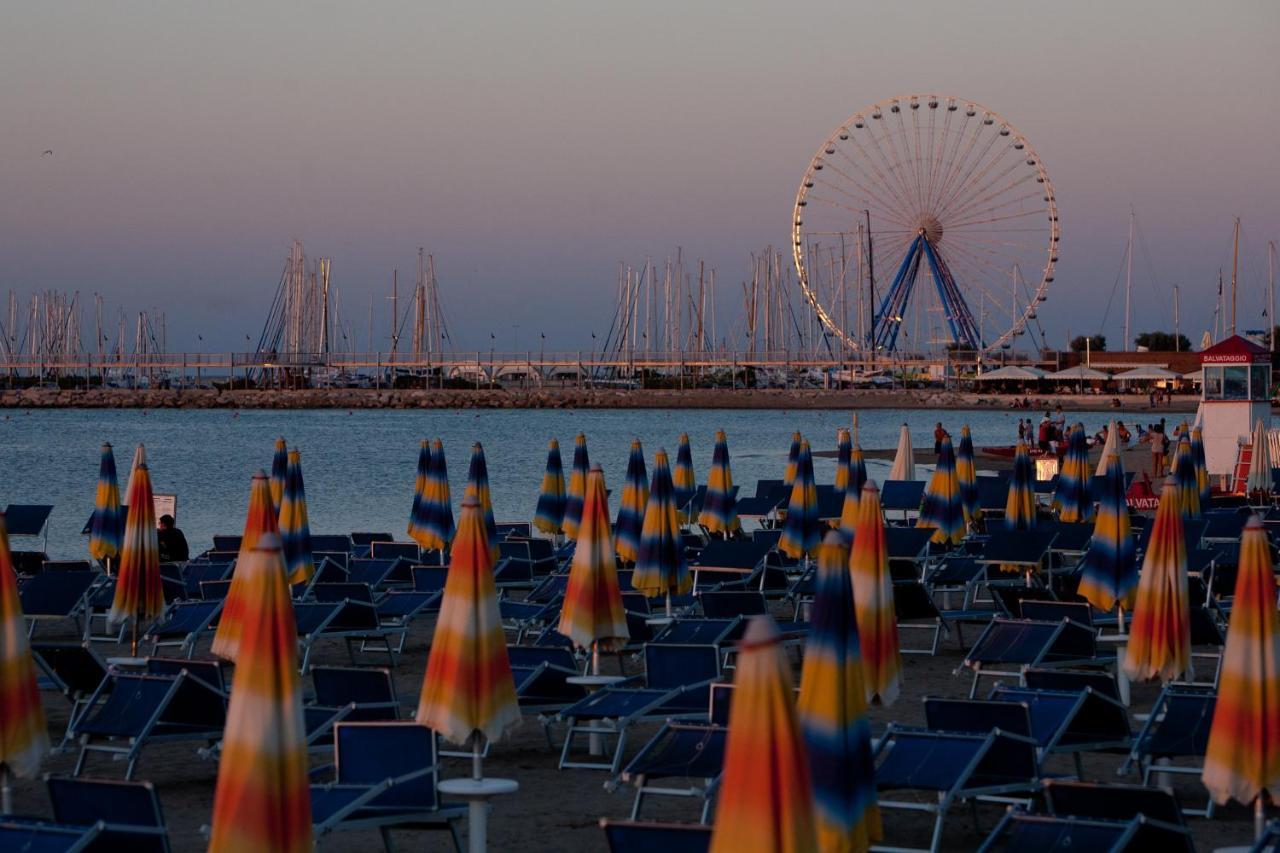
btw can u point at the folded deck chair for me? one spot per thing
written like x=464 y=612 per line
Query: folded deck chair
x=728 y=559
x=625 y=836
x=1008 y=646
x=952 y=767
x=916 y=609
x=1071 y=722
x=182 y=624
x=66 y=566
x=542 y=674
x=1097 y=801
x=336 y=542
x=676 y=685
x=73 y=669
x=30 y=836
x=350 y=621
x=429 y=578
x=128 y=812
x=223 y=542
x=371 y=690
x=684 y=760
x=1178 y=728
x=129 y=711
x=1020 y=831
x=385 y=779
x=902 y=496
x=54 y=596
x=1008 y=597
x=364 y=539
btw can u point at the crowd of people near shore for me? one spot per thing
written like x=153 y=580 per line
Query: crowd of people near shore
x=1050 y=437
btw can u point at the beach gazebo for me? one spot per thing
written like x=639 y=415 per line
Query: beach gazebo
x=1079 y=374
x=1020 y=373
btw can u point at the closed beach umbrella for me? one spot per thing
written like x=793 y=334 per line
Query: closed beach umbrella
x=592 y=616
x=295 y=530
x=139 y=592
x=139 y=459
x=660 y=563
x=942 y=508
x=873 y=600
x=24 y=737
x=1259 y=481
x=635 y=495
x=1243 y=757
x=1184 y=477
x=1020 y=504
x=437 y=504
x=260 y=520
x=263 y=796
x=549 y=516
x=1071 y=498
x=1202 y=468
x=967 y=474
x=793 y=459
x=852 y=494
x=478 y=485
x=576 y=495
x=844 y=453
x=801 y=531
x=1111 y=445
x=279 y=471
x=765 y=803
x=683 y=478
x=418 y=514
x=468 y=687
x=720 y=506
x=904 y=461
x=106 y=530
x=1160 y=635
x=1109 y=577
x=833 y=711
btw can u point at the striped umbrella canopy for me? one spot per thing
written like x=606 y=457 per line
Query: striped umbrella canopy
x=549 y=516
x=793 y=460
x=1020 y=505
x=833 y=711
x=942 y=508
x=106 y=530
x=1110 y=573
x=295 y=530
x=720 y=506
x=263 y=797
x=765 y=803
x=683 y=478
x=1259 y=480
x=1202 y=468
x=1111 y=445
x=592 y=616
x=24 y=737
x=802 y=529
x=967 y=474
x=260 y=520
x=635 y=495
x=468 y=687
x=873 y=600
x=1184 y=478
x=576 y=496
x=418 y=514
x=437 y=504
x=1160 y=634
x=660 y=563
x=139 y=593
x=852 y=495
x=904 y=461
x=844 y=455
x=1243 y=756
x=478 y=485
x=139 y=459
x=1071 y=498
x=279 y=471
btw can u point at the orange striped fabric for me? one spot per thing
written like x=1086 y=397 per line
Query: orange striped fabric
x=260 y=521
x=873 y=600
x=1160 y=634
x=24 y=739
x=139 y=591
x=592 y=613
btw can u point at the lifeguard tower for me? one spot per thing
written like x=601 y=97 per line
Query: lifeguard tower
x=1236 y=394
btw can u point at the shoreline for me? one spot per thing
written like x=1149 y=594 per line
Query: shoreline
x=572 y=398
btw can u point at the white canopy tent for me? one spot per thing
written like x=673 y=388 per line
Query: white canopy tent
x=1079 y=373
x=1149 y=373
x=1011 y=373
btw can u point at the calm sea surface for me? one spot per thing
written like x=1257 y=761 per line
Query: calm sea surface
x=359 y=467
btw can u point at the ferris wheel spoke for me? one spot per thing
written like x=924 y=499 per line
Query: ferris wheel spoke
x=869 y=199
x=1000 y=184
x=911 y=147
x=974 y=167
x=986 y=219
x=893 y=165
x=888 y=196
x=969 y=136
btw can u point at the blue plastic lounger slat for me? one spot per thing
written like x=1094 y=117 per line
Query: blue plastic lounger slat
x=1025 y=548
x=364 y=539
x=993 y=493
x=716 y=632
x=129 y=811
x=26 y=519
x=183 y=624
x=224 y=542
x=18 y=836
x=370 y=572
x=1020 y=831
x=353 y=590
x=1073 y=680
x=1065 y=721
x=902 y=495
x=692 y=753
x=728 y=604
x=56 y=595
x=73 y=669
x=196 y=573
x=390 y=550
x=909 y=544
x=545 y=687
x=371 y=690
x=1007 y=646
x=644 y=836
x=1097 y=801
x=211 y=672
x=337 y=542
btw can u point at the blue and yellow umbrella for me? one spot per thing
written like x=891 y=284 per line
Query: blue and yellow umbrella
x=577 y=487
x=478 y=485
x=844 y=457
x=660 y=563
x=683 y=478
x=437 y=504
x=635 y=495
x=720 y=506
x=279 y=471
x=942 y=509
x=967 y=474
x=1020 y=505
x=1071 y=498
x=1109 y=577
x=106 y=530
x=802 y=531
x=295 y=529
x=549 y=516
x=1184 y=477
x=793 y=460
x=418 y=521
x=1202 y=468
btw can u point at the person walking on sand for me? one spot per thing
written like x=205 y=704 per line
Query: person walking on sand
x=938 y=434
x=1159 y=444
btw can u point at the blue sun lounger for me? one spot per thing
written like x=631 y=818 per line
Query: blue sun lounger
x=55 y=596
x=625 y=836
x=728 y=560
x=1098 y=801
x=902 y=496
x=916 y=609
x=385 y=777
x=699 y=632
x=196 y=573
x=348 y=620
x=1007 y=647
x=371 y=691
x=1071 y=722
x=29 y=836
x=182 y=624
x=73 y=669
x=398 y=608
x=1020 y=831
x=129 y=711
x=688 y=753
x=1178 y=728
x=952 y=767
x=127 y=812
x=676 y=685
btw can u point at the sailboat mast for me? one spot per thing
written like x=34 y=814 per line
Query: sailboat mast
x=1235 y=264
x=1128 y=281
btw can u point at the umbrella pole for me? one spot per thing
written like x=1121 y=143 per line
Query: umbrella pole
x=133 y=642
x=668 y=604
x=6 y=789
x=1259 y=818
x=595 y=743
x=478 y=809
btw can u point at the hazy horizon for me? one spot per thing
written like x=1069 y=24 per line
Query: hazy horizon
x=532 y=149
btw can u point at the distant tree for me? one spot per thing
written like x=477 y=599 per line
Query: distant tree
x=1163 y=342
x=1096 y=343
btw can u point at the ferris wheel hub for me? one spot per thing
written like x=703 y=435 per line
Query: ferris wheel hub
x=930 y=228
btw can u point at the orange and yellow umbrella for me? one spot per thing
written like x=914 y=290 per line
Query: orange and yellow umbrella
x=139 y=592
x=1160 y=634
x=468 y=686
x=262 y=803
x=873 y=600
x=766 y=797
x=259 y=521
x=24 y=738
x=592 y=616
x=1243 y=757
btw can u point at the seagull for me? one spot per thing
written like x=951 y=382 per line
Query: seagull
x=48 y=152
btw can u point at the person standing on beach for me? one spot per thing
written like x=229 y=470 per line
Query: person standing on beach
x=1159 y=444
x=938 y=434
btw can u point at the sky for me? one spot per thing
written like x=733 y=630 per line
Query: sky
x=531 y=147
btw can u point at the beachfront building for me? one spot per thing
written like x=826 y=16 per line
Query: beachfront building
x=1236 y=394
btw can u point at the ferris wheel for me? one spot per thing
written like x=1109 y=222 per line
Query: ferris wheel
x=924 y=222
